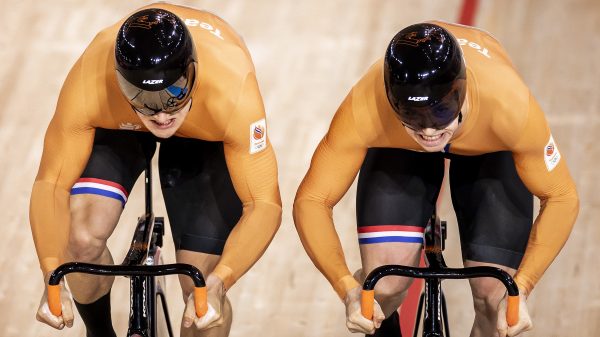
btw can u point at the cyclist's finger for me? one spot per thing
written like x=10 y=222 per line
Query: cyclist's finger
x=45 y=316
x=67 y=312
x=502 y=325
x=355 y=328
x=523 y=325
x=517 y=329
x=378 y=315
x=205 y=321
x=189 y=314
x=358 y=323
x=215 y=323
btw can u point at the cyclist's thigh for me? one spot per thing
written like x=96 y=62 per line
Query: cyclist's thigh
x=493 y=207
x=99 y=195
x=397 y=191
x=201 y=202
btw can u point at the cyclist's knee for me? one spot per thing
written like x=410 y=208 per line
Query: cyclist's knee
x=92 y=223
x=487 y=294
x=390 y=292
x=84 y=246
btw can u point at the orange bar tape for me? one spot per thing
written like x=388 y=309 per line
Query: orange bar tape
x=200 y=301
x=54 y=300
x=512 y=310
x=367 y=301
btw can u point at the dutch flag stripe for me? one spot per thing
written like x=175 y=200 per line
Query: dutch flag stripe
x=100 y=187
x=390 y=239
x=390 y=233
x=103 y=183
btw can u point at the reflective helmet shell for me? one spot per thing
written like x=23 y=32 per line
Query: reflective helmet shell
x=155 y=61
x=424 y=75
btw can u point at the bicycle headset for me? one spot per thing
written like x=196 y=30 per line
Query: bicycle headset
x=424 y=75
x=155 y=61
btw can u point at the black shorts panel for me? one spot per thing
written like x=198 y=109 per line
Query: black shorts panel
x=119 y=156
x=493 y=207
x=398 y=187
x=201 y=202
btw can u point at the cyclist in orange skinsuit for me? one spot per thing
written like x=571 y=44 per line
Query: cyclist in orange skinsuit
x=442 y=91
x=198 y=96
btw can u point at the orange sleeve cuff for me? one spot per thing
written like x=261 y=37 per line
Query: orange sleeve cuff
x=49 y=264
x=344 y=284
x=524 y=283
x=225 y=274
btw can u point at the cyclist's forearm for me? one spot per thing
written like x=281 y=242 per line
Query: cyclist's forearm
x=320 y=240
x=49 y=219
x=548 y=235
x=248 y=240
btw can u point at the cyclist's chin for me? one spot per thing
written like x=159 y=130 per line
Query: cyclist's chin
x=163 y=133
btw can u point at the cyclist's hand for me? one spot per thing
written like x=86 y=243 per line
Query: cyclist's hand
x=45 y=316
x=215 y=297
x=355 y=321
x=524 y=323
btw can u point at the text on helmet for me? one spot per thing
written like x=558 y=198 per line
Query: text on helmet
x=197 y=23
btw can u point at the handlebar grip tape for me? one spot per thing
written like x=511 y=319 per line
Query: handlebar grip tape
x=54 y=300
x=512 y=310
x=367 y=301
x=200 y=301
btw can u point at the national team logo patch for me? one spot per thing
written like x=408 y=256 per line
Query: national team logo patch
x=390 y=233
x=258 y=136
x=551 y=154
x=258 y=133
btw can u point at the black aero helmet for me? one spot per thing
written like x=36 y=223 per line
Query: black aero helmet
x=424 y=75
x=155 y=61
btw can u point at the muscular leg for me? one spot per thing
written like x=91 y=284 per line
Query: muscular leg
x=494 y=212
x=390 y=291
x=487 y=293
x=93 y=219
x=206 y=263
x=395 y=188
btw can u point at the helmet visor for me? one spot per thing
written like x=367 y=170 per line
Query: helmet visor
x=437 y=116
x=169 y=100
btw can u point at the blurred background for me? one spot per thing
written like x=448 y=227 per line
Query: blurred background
x=308 y=54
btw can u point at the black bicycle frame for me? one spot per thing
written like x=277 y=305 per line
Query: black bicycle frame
x=434 y=273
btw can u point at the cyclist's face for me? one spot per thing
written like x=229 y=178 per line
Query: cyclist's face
x=433 y=140
x=164 y=125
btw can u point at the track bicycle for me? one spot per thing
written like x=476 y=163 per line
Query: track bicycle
x=143 y=265
x=432 y=301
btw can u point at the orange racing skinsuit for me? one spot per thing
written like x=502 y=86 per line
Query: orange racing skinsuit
x=227 y=107
x=503 y=116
